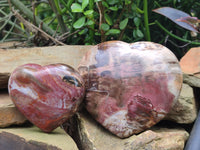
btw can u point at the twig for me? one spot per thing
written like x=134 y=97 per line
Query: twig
x=8 y=32
x=27 y=12
x=55 y=31
x=118 y=20
x=10 y=22
x=33 y=9
x=166 y=39
x=179 y=46
x=66 y=35
x=101 y=19
x=121 y=34
x=7 y=18
x=52 y=20
x=121 y=13
x=16 y=34
x=35 y=29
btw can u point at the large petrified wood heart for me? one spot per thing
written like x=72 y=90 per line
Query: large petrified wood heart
x=130 y=87
x=47 y=96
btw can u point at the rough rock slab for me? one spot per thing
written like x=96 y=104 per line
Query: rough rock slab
x=32 y=138
x=185 y=109
x=9 y=114
x=4 y=80
x=11 y=44
x=89 y=135
x=191 y=80
x=190 y=62
x=12 y=58
x=190 y=65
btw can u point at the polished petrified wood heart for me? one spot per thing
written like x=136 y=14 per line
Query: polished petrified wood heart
x=130 y=87
x=47 y=95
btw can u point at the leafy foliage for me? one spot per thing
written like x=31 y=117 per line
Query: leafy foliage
x=84 y=22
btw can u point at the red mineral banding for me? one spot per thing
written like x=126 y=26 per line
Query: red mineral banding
x=46 y=95
x=130 y=87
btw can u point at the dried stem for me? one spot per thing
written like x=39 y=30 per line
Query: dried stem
x=35 y=29
x=119 y=18
x=27 y=12
x=120 y=15
x=101 y=19
x=33 y=9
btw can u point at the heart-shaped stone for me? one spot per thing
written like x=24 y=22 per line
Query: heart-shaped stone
x=46 y=95
x=130 y=87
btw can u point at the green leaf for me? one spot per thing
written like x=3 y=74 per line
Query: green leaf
x=112 y=31
x=139 y=33
x=79 y=23
x=134 y=34
x=83 y=31
x=88 y=12
x=105 y=4
x=85 y=3
x=123 y=24
x=137 y=21
x=90 y=22
x=112 y=2
x=97 y=33
x=134 y=7
x=105 y=27
x=76 y=7
x=127 y=2
x=108 y=19
x=113 y=8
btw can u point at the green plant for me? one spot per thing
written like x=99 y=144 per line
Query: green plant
x=91 y=21
x=83 y=22
x=7 y=24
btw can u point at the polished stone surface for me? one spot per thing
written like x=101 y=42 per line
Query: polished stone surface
x=46 y=95
x=130 y=87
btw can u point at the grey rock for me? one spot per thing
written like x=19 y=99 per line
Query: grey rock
x=89 y=135
x=191 y=80
x=185 y=110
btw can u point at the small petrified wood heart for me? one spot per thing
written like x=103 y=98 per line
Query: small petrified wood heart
x=130 y=87
x=46 y=95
